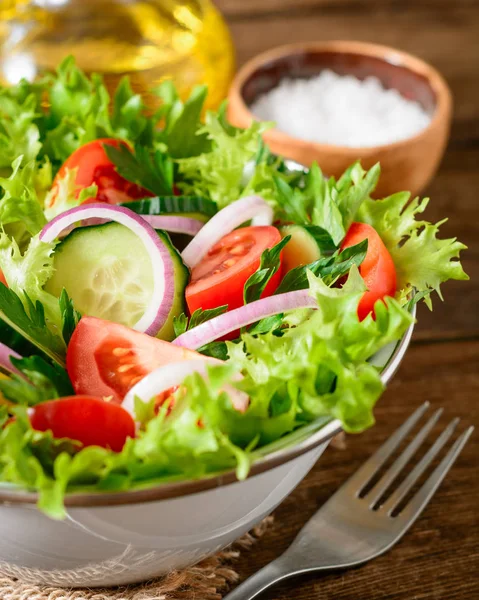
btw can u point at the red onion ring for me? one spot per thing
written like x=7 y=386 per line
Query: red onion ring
x=174 y=224
x=172 y=375
x=5 y=362
x=252 y=208
x=245 y=315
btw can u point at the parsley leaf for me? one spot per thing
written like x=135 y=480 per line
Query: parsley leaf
x=151 y=170
x=182 y=121
x=182 y=324
x=328 y=269
x=269 y=265
x=267 y=324
x=30 y=323
x=45 y=381
x=217 y=350
x=69 y=315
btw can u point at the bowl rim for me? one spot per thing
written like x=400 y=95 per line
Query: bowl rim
x=321 y=433
x=388 y=54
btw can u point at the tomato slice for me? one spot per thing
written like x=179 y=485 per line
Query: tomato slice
x=220 y=277
x=89 y=420
x=105 y=359
x=94 y=167
x=377 y=269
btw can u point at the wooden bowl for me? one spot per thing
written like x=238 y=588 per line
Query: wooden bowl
x=406 y=165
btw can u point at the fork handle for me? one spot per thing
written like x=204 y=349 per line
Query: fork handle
x=260 y=581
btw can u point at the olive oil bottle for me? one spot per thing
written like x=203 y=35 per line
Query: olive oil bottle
x=149 y=40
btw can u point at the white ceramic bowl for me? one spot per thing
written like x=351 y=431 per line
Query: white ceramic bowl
x=127 y=537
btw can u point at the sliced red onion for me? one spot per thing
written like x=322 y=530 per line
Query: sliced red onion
x=170 y=223
x=174 y=224
x=5 y=363
x=252 y=208
x=172 y=375
x=245 y=315
x=161 y=301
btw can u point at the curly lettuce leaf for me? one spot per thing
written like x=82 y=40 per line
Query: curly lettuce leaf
x=320 y=363
x=422 y=260
x=20 y=114
x=27 y=273
x=38 y=316
x=218 y=173
x=19 y=204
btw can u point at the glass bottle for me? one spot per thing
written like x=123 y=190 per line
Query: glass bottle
x=149 y=40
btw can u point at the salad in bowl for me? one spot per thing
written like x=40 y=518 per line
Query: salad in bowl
x=176 y=301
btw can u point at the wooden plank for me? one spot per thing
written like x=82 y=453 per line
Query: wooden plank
x=250 y=8
x=438 y=557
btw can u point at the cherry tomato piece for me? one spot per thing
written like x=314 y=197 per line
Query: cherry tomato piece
x=220 y=277
x=377 y=269
x=106 y=359
x=94 y=167
x=86 y=419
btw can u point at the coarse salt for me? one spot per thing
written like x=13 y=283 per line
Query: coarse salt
x=341 y=110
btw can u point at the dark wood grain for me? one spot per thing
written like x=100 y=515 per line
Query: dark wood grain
x=439 y=558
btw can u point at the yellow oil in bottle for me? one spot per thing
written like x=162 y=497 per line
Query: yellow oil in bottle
x=149 y=40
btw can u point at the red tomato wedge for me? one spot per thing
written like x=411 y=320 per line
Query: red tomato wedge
x=220 y=277
x=94 y=167
x=105 y=359
x=89 y=420
x=377 y=269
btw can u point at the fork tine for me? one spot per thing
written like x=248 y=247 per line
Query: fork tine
x=402 y=460
x=364 y=474
x=414 y=508
x=396 y=497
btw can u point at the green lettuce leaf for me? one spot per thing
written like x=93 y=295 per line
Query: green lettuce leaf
x=218 y=174
x=422 y=260
x=19 y=204
x=20 y=115
x=27 y=273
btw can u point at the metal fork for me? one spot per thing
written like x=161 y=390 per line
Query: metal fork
x=352 y=527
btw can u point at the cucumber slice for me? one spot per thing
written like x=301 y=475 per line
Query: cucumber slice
x=108 y=274
x=182 y=277
x=301 y=249
x=194 y=207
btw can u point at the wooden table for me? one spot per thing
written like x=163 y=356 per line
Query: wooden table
x=438 y=558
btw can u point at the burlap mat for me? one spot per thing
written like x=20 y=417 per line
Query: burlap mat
x=208 y=580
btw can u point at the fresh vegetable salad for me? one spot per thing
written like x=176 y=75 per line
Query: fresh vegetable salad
x=174 y=298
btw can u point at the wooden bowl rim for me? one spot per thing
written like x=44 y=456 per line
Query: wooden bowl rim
x=388 y=54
